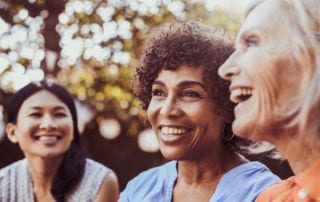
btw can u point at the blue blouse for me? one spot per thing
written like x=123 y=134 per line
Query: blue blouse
x=242 y=183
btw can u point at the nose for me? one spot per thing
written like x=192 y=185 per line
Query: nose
x=170 y=107
x=47 y=122
x=229 y=69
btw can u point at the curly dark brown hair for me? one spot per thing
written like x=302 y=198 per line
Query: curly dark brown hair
x=188 y=42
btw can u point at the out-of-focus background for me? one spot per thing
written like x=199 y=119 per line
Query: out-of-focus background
x=91 y=47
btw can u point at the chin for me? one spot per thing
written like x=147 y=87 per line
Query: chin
x=172 y=155
x=54 y=154
x=168 y=155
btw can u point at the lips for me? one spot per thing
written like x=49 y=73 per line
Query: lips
x=240 y=94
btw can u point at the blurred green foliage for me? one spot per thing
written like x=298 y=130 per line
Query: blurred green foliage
x=106 y=86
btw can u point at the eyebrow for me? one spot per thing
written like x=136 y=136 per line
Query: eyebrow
x=245 y=34
x=184 y=84
x=54 y=108
x=253 y=29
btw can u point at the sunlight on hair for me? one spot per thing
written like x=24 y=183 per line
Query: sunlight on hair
x=147 y=141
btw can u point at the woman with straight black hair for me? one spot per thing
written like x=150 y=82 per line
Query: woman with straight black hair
x=42 y=119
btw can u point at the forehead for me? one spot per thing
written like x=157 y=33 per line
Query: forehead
x=42 y=98
x=265 y=16
x=184 y=72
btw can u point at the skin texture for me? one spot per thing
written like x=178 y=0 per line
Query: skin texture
x=181 y=103
x=44 y=131
x=273 y=61
x=192 y=43
x=180 y=100
x=39 y=124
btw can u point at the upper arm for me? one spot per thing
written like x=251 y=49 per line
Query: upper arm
x=109 y=189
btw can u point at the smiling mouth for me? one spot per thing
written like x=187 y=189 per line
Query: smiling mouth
x=173 y=130
x=48 y=137
x=240 y=94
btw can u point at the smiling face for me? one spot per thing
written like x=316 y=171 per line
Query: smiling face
x=183 y=115
x=44 y=126
x=265 y=78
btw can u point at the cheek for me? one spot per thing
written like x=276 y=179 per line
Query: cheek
x=278 y=82
x=264 y=73
x=205 y=117
x=152 y=112
x=27 y=128
x=71 y=132
x=67 y=126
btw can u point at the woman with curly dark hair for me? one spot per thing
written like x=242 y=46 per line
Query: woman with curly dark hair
x=188 y=107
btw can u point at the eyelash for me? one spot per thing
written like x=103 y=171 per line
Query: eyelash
x=38 y=114
x=186 y=93
x=191 y=93
x=251 y=41
x=35 y=114
x=157 y=92
x=60 y=114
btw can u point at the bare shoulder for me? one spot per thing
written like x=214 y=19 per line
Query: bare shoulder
x=109 y=189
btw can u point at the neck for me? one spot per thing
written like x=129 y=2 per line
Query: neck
x=299 y=153
x=43 y=171
x=198 y=178
x=210 y=168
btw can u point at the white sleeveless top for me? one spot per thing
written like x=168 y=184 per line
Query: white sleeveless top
x=16 y=182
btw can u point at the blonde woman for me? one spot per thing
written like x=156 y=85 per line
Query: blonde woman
x=275 y=82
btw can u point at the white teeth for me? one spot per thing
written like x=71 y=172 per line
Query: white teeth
x=234 y=95
x=48 y=139
x=173 y=131
x=237 y=93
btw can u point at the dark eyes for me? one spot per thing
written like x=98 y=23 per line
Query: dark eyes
x=60 y=114
x=157 y=92
x=55 y=114
x=190 y=93
x=35 y=114
x=185 y=93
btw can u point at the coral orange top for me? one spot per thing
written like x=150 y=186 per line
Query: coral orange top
x=302 y=188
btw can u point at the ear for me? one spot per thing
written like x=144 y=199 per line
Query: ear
x=10 y=129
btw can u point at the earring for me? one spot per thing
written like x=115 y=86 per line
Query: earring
x=227 y=131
